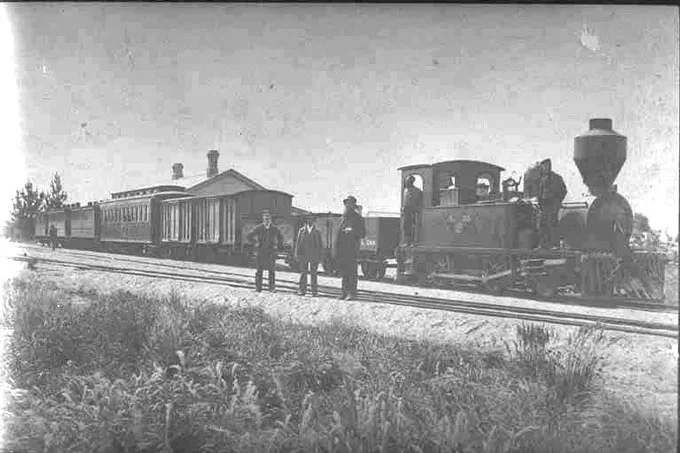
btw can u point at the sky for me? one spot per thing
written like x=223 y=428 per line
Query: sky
x=326 y=100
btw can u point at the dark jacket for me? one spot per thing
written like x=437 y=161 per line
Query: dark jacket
x=309 y=246
x=267 y=241
x=53 y=232
x=347 y=243
x=552 y=190
x=413 y=199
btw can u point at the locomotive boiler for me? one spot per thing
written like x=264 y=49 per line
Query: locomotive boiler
x=473 y=230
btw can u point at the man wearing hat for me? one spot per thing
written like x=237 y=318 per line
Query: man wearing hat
x=308 y=252
x=268 y=239
x=350 y=233
x=551 y=193
x=413 y=201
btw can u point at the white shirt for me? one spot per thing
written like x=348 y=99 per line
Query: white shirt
x=309 y=228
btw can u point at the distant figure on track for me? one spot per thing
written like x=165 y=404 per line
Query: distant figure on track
x=308 y=251
x=351 y=231
x=268 y=239
x=551 y=193
x=53 y=236
x=413 y=202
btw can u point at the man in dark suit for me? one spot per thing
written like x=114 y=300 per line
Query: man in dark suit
x=551 y=193
x=308 y=251
x=351 y=231
x=413 y=203
x=268 y=239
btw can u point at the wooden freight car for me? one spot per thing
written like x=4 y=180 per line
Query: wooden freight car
x=41 y=231
x=375 y=250
x=84 y=226
x=213 y=228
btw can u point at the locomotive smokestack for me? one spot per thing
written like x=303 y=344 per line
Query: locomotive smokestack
x=604 y=124
x=599 y=154
x=212 y=163
x=177 y=171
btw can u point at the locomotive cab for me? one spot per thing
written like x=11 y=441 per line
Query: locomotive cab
x=452 y=183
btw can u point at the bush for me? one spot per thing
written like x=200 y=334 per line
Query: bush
x=131 y=374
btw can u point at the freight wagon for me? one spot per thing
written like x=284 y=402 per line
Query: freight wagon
x=214 y=228
x=376 y=249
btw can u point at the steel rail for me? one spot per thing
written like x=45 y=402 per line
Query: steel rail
x=484 y=309
x=598 y=302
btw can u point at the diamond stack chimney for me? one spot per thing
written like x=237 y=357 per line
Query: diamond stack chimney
x=212 y=163
x=177 y=171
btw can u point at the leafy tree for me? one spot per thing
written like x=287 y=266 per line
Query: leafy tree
x=641 y=223
x=57 y=196
x=27 y=202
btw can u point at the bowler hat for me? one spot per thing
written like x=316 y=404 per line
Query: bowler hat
x=350 y=199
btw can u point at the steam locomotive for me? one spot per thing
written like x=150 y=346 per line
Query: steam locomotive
x=463 y=239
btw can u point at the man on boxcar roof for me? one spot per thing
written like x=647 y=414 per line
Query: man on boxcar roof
x=268 y=240
x=350 y=233
x=551 y=193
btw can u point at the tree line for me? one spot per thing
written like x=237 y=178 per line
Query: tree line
x=29 y=201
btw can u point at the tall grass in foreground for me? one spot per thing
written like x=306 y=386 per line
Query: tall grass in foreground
x=106 y=376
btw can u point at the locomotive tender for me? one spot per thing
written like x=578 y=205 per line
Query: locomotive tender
x=464 y=237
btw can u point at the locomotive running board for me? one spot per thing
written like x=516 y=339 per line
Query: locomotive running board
x=473 y=278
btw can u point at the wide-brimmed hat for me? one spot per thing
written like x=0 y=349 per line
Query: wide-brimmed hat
x=546 y=161
x=350 y=199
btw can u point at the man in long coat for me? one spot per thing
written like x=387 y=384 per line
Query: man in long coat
x=413 y=203
x=551 y=193
x=268 y=240
x=350 y=232
x=308 y=252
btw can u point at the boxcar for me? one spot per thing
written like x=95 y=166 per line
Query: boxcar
x=84 y=222
x=132 y=224
x=251 y=203
x=216 y=230
x=59 y=218
x=176 y=227
x=379 y=245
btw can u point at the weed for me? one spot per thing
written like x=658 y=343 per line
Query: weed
x=136 y=374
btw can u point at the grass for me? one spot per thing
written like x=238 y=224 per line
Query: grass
x=671 y=283
x=122 y=373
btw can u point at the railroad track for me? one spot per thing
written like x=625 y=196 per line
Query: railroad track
x=433 y=303
x=594 y=302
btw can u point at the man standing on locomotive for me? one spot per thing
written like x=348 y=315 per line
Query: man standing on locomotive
x=308 y=250
x=268 y=239
x=413 y=201
x=351 y=231
x=551 y=193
